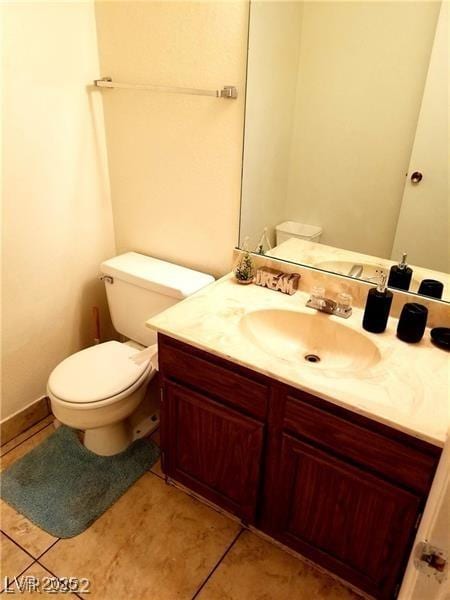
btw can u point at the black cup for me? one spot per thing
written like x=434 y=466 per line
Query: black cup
x=412 y=322
x=431 y=287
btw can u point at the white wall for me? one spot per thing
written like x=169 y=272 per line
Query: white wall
x=425 y=209
x=274 y=44
x=362 y=71
x=56 y=208
x=175 y=161
x=359 y=84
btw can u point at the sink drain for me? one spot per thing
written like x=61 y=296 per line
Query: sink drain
x=312 y=358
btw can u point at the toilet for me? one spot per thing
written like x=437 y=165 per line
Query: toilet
x=301 y=231
x=97 y=389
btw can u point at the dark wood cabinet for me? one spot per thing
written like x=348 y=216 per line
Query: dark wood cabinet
x=348 y=520
x=214 y=450
x=341 y=489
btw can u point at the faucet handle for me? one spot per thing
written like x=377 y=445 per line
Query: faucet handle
x=318 y=295
x=342 y=307
x=344 y=303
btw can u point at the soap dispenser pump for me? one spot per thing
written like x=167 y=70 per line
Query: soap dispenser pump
x=378 y=306
x=400 y=275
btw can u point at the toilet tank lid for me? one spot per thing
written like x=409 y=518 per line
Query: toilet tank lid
x=299 y=228
x=156 y=275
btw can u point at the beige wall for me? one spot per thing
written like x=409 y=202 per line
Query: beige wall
x=175 y=161
x=425 y=210
x=56 y=208
x=362 y=71
x=274 y=44
x=359 y=84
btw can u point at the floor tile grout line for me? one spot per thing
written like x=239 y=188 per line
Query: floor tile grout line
x=27 y=551
x=17 y=544
x=218 y=563
x=20 y=574
x=27 y=429
x=54 y=575
x=26 y=439
x=155 y=474
x=49 y=548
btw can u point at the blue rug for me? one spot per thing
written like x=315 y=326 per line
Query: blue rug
x=63 y=487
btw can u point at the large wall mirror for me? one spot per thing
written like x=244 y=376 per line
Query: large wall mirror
x=346 y=150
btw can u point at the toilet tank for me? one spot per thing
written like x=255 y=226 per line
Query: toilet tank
x=138 y=287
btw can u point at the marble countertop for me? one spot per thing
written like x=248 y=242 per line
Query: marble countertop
x=408 y=389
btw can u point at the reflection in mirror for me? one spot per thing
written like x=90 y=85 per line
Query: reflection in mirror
x=346 y=137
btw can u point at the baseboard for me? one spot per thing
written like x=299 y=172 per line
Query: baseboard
x=23 y=419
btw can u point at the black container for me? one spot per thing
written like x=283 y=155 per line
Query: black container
x=400 y=275
x=440 y=336
x=378 y=306
x=412 y=322
x=432 y=288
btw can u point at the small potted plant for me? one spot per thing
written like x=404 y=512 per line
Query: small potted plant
x=244 y=271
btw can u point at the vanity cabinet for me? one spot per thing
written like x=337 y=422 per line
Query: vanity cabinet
x=212 y=428
x=342 y=517
x=215 y=451
x=342 y=490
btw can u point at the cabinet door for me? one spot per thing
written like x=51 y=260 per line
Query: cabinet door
x=349 y=521
x=213 y=449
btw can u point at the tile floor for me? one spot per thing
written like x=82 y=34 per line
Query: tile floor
x=157 y=543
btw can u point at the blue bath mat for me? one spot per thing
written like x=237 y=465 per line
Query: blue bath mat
x=63 y=487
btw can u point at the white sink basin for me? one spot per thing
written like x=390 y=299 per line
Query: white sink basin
x=315 y=340
x=343 y=267
x=369 y=272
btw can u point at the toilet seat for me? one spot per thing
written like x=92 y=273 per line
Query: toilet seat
x=98 y=376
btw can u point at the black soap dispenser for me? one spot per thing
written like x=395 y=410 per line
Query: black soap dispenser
x=400 y=275
x=378 y=305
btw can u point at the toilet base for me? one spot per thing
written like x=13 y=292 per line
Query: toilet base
x=108 y=440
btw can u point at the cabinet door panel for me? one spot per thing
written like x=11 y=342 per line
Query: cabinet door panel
x=214 y=450
x=351 y=522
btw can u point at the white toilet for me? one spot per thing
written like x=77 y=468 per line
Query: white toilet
x=98 y=388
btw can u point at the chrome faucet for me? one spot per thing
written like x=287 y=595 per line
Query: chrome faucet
x=341 y=307
x=356 y=271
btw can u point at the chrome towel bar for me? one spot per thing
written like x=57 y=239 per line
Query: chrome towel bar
x=228 y=91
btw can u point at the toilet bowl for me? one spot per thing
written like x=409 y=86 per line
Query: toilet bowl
x=96 y=390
